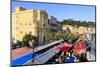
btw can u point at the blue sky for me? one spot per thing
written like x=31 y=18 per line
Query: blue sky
x=61 y=11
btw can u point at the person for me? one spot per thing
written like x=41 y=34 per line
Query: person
x=83 y=58
x=71 y=50
x=76 y=55
x=57 y=60
x=60 y=61
x=70 y=59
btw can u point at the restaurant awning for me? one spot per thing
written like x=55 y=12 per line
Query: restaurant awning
x=80 y=47
x=65 y=47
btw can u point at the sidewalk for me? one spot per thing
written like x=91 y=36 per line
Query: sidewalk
x=17 y=53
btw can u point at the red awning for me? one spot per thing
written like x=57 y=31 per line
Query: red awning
x=80 y=47
x=65 y=47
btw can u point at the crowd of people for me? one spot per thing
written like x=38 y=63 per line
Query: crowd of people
x=67 y=57
x=71 y=55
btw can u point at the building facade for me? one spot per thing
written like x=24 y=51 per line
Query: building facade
x=79 y=30
x=54 y=25
x=31 y=21
x=73 y=29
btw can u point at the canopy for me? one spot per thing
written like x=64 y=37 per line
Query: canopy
x=65 y=47
x=80 y=47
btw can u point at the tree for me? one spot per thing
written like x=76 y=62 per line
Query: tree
x=48 y=37
x=70 y=37
x=78 y=23
x=30 y=40
x=16 y=44
x=59 y=35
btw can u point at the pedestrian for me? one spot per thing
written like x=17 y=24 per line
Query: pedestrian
x=83 y=58
x=76 y=55
x=57 y=60
x=60 y=61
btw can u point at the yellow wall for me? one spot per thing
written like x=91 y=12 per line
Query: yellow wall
x=26 y=21
x=79 y=30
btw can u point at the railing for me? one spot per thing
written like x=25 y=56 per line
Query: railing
x=43 y=58
x=46 y=55
x=47 y=45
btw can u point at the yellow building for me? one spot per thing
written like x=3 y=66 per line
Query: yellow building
x=29 y=21
x=78 y=30
x=71 y=28
x=82 y=30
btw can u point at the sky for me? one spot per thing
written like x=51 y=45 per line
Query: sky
x=61 y=11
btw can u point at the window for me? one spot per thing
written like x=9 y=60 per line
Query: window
x=38 y=32
x=30 y=32
x=30 y=24
x=44 y=25
x=48 y=21
x=20 y=23
x=16 y=28
x=21 y=32
x=44 y=17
